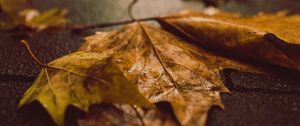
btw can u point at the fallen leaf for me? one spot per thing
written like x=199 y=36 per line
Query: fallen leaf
x=51 y=18
x=166 y=68
x=268 y=38
x=17 y=13
x=82 y=79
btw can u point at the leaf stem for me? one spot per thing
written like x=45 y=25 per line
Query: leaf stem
x=130 y=7
x=109 y=24
x=29 y=50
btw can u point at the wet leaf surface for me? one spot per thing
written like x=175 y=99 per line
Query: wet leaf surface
x=166 y=68
x=81 y=79
x=269 y=38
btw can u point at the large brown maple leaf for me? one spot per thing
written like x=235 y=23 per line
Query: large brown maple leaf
x=109 y=67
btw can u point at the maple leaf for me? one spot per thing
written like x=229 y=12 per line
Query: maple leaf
x=268 y=38
x=81 y=79
x=16 y=13
x=166 y=68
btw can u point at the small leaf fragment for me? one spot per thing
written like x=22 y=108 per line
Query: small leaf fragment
x=50 y=18
x=19 y=13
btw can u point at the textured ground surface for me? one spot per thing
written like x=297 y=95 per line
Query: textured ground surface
x=255 y=100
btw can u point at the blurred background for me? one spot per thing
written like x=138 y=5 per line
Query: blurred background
x=95 y=11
